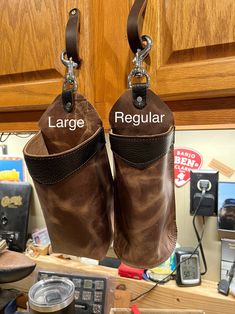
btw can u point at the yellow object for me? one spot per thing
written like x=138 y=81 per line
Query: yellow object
x=9 y=175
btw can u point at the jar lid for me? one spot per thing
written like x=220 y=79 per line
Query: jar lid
x=50 y=295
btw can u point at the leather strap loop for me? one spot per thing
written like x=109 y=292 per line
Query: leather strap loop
x=52 y=169
x=134 y=25
x=141 y=152
x=139 y=95
x=67 y=99
x=72 y=36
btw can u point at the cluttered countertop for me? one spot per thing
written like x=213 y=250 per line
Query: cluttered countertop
x=164 y=296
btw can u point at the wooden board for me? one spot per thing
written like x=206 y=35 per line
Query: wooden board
x=204 y=297
x=153 y=311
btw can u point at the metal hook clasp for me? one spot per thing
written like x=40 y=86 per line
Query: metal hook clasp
x=142 y=54
x=139 y=71
x=70 y=77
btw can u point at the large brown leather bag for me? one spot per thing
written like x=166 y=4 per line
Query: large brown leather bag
x=144 y=203
x=71 y=173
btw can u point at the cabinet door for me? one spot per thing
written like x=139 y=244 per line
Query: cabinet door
x=196 y=48
x=193 y=57
x=32 y=38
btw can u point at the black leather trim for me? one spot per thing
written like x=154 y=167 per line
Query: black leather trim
x=52 y=169
x=141 y=152
x=67 y=99
x=139 y=94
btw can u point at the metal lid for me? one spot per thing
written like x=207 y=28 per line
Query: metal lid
x=50 y=295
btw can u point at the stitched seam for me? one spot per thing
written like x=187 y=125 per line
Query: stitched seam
x=147 y=163
x=140 y=139
x=66 y=154
x=70 y=173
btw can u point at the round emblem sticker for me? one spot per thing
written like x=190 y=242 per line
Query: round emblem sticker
x=185 y=160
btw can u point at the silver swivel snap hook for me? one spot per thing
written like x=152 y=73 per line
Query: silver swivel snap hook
x=70 y=78
x=138 y=70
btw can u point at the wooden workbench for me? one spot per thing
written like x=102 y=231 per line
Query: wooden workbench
x=204 y=297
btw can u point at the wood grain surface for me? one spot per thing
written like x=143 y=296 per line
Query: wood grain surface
x=32 y=38
x=204 y=297
x=205 y=68
x=154 y=311
x=200 y=23
x=193 y=56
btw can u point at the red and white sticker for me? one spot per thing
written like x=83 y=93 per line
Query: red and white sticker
x=185 y=160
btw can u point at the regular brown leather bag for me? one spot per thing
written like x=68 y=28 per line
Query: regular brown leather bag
x=142 y=141
x=144 y=203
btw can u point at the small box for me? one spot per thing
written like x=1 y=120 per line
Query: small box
x=227 y=258
x=130 y=272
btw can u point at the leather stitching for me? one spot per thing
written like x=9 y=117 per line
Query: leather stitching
x=145 y=164
x=48 y=177
x=69 y=174
x=68 y=153
x=141 y=139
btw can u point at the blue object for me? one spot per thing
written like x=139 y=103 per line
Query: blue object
x=10 y=308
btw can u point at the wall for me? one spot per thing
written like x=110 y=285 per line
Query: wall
x=211 y=144
x=219 y=144
x=15 y=147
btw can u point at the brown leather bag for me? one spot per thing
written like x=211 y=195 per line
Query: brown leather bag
x=71 y=173
x=144 y=204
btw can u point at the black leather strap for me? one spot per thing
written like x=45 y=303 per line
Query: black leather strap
x=134 y=25
x=141 y=152
x=67 y=99
x=139 y=94
x=72 y=36
x=53 y=169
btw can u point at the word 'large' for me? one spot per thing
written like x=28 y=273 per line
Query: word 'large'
x=72 y=124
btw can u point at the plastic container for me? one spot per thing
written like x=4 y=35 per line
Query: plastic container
x=52 y=296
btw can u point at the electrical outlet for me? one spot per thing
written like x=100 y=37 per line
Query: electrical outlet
x=3 y=149
x=208 y=206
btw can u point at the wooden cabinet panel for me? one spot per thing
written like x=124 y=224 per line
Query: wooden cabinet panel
x=200 y=55
x=199 y=23
x=32 y=38
x=193 y=57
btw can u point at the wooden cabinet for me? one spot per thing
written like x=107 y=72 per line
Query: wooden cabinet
x=32 y=38
x=196 y=48
x=192 y=63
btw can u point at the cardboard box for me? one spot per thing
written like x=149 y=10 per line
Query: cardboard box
x=153 y=311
